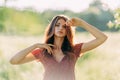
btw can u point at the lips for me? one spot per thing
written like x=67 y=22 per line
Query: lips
x=60 y=32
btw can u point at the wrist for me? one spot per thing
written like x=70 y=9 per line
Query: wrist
x=83 y=24
x=37 y=45
x=79 y=22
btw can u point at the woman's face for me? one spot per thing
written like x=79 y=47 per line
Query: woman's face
x=60 y=28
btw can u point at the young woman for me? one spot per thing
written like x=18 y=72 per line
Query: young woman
x=58 y=54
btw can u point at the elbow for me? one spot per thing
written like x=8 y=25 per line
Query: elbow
x=103 y=39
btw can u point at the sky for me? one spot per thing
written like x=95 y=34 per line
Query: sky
x=73 y=5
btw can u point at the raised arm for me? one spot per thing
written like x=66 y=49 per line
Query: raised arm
x=25 y=55
x=100 y=37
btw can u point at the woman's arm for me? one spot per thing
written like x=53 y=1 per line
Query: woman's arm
x=99 y=36
x=25 y=55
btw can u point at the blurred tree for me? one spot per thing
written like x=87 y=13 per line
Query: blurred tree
x=2 y=18
x=30 y=22
x=97 y=15
x=5 y=2
x=116 y=22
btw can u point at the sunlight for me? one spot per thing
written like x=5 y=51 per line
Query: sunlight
x=112 y=4
x=41 y=5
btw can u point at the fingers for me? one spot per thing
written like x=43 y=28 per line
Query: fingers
x=49 y=49
x=51 y=45
x=69 y=23
x=74 y=22
x=46 y=46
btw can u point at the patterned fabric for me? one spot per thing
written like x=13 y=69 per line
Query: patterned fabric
x=63 y=70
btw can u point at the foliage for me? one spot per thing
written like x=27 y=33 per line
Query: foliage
x=30 y=22
x=98 y=16
x=116 y=22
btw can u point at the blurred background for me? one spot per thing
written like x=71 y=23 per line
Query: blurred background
x=23 y=22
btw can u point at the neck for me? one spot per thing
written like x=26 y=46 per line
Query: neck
x=58 y=42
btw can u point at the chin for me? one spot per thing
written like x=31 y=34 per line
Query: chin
x=60 y=36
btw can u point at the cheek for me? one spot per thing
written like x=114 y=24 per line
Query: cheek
x=65 y=32
x=55 y=30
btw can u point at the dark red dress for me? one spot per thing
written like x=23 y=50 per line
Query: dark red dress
x=63 y=70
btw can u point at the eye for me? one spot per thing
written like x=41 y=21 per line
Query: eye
x=64 y=26
x=57 y=25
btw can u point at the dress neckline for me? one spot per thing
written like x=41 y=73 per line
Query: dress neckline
x=60 y=60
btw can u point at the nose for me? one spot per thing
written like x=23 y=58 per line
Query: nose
x=60 y=27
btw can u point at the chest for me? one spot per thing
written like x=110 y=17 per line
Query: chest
x=58 y=55
x=51 y=63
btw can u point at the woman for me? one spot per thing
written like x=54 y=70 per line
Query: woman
x=58 y=54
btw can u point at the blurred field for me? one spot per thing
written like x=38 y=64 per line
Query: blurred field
x=101 y=63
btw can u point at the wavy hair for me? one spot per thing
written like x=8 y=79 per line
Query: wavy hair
x=67 y=45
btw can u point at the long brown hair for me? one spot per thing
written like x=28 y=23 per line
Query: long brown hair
x=67 y=45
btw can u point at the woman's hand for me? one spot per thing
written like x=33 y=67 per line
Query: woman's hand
x=23 y=56
x=75 y=22
x=46 y=46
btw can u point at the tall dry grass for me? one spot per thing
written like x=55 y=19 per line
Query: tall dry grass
x=101 y=63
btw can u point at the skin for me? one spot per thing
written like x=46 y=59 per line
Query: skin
x=25 y=56
x=60 y=33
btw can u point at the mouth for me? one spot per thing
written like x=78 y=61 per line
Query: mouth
x=60 y=32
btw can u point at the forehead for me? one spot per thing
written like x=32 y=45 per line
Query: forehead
x=61 y=21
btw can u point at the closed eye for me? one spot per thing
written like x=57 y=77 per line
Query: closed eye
x=64 y=26
x=57 y=25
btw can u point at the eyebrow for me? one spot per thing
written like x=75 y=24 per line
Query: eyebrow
x=59 y=23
